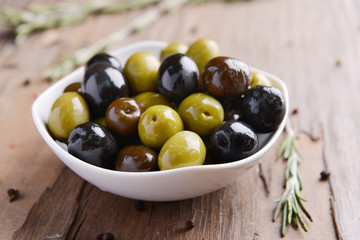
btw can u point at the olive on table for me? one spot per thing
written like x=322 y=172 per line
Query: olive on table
x=233 y=140
x=103 y=83
x=263 y=108
x=172 y=48
x=94 y=144
x=201 y=113
x=122 y=116
x=226 y=77
x=157 y=124
x=148 y=99
x=141 y=71
x=183 y=149
x=105 y=58
x=178 y=77
x=68 y=111
x=136 y=158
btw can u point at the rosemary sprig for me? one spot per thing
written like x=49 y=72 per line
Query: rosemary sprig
x=82 y=55
x=291 y=201
x=62 y=14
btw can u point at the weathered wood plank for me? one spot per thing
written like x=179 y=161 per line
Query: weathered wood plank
x=52 y=216
x=299 y=41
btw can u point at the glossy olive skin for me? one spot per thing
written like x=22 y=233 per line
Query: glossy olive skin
x=183 y=149
x=69 y=110
x=73 y=87
x=178 y=77
x=233 y=140
x=201 y=113
x=141 y=72
x=226 y=77
x=102 y=84
x=157 y=124
x=94 y=144
x=263 y=107
x=105 y=58
x=148 y=99
x=136 y=158
x=122 y=116
x=172 y=48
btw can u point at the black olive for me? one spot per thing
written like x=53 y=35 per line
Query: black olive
x=102 y=84
x=94 y=144
x=178 y=77
x=104 y=57
x=233 y=140
x=263 y=107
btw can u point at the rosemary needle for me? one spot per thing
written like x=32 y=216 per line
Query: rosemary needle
x=291 y=201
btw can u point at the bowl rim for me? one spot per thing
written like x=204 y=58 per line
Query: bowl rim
x=41 y=125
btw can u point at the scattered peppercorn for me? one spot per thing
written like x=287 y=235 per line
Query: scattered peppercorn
x=324 y=175
x=339 y=62
x=26 y=82
x=140 y=206
x=295 y=111
x=13 y=194
x=189 y=224
x=105 y=236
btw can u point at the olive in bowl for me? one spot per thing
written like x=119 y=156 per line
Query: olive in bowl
x=94 y=144
x=169 y=185
x=263 y=107
x=103 y=83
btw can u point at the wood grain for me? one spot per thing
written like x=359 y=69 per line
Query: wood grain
x=299 y=40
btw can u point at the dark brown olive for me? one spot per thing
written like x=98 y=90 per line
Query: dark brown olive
x=73 y=87
x=102 y=84
x=122 y=116
x=136 y=158
x=225 y=77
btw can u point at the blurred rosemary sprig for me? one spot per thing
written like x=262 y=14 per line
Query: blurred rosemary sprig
x=291 y=202
x=82 y=55
x=62 y=14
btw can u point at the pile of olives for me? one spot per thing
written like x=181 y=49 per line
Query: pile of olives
x=191 y=107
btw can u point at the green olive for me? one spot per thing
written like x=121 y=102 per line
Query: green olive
x=201 y=51
x=259 y=79
x=172 y=48
x=68 y=111
x=201 y=113
x=183 y=149
x=141 y=72
x=148 y=99
x=157 y=124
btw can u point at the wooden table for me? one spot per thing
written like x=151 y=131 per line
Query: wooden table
x=313 y=45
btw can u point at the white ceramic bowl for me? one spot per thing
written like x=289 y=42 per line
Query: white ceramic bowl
x=169 y=185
